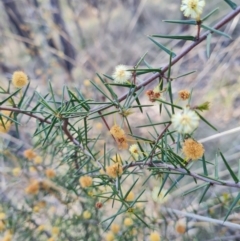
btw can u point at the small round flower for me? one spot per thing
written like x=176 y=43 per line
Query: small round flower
x=29 y=154
x=115 y=228
x=184 y=94
x=185 y=121
x=36 y=209
x=134 y=150
x=50 y=173
x=40 y=228
x=192 y=149
x=109 y=236
x=87 y=214
x=55 y=230
x=114 y=170
x=37 y=160
x=117 y=131
x=128 y=222
x=161 y=198
x=121 y=75
x=154 y=236
x=87 y=82
x=16 y=171
x=192 y=8
x=130 y=197
x=85 y=181
x=19 y=79
x=180 y=226
x=33 y=188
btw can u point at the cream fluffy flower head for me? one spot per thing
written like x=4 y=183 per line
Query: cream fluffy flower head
x=134 y=150
x=192 y=8
x=154 y=236
x=185 y=121
x=19 y=79
x=121 y=75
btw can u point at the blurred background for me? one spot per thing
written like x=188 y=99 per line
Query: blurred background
x=69 y=41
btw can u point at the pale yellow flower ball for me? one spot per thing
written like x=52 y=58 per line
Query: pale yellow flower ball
x=110 y=236
x=87 y=214
x=29 y=154
x=115 y=228
x=154 y=237
x=130 y=197
x=37 y=160
x=40 y=228
x=128 y=222
x=16 y=171
x=19 y=79
x=85 y=181
x=114 y=170
x=55 y=230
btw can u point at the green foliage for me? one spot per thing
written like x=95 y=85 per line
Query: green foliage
x=91 y=163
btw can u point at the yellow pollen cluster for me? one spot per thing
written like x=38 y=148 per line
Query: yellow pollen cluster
x=19 y=79
x=33 y=188
x=184 y=94
x=130 y=197
x=114 y=170
x=110 y=236
x=29 y=154
x=50 y=173
x=192 y=149
x=16 y=171
x=128 y=222
x=117 y=131
x=154 y=237
x=85 y=181
x=87 y=214
x=55 y=230
x=120 y=137
x=37 y=160
x=115 y=228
